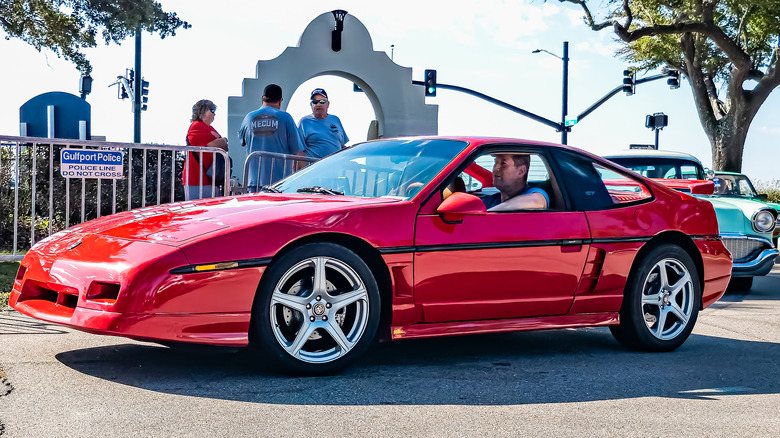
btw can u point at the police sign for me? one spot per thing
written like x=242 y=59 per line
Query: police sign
x=91 y=163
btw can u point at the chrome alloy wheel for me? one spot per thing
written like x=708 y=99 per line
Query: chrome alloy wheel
x=668 y=297
x=319 y=309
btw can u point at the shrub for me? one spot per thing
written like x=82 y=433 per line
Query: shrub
x=771 y=188
x=7 y=274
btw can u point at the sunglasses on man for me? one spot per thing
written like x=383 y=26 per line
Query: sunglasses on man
x=322 y=101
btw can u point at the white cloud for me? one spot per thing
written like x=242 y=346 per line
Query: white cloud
x=576 y=16
x=599 y=47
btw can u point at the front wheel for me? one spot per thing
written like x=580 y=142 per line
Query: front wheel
x=316 y=311
x=661 y=301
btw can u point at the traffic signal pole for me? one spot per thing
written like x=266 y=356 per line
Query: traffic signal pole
x=559 y=126
x=565 y=103
x=495 y=101
x=137 y=88
x=617 y=90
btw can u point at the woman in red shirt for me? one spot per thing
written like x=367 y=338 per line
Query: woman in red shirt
x=201 y=134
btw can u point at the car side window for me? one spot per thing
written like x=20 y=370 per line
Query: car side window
x=477 y=177
x=537 y=173
x=592 y=186
x=745 y=189
x=621 y=189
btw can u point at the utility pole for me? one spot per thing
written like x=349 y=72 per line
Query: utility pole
x=563 y=127
x=565 y=104
x=137 y=88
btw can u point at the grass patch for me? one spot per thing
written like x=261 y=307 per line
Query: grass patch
x=7 y=275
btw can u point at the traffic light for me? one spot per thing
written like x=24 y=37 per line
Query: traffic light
x=674 y=79
x=430 y=83
x=144 y=94
x=629 y=82
x=656 y=121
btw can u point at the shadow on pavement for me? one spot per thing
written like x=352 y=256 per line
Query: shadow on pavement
x=557 y=366
x=533 y=367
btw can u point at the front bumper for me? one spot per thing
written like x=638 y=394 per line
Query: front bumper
x=753 y=255
x=760 y=265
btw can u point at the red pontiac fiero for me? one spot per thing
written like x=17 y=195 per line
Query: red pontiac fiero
x=389 y=240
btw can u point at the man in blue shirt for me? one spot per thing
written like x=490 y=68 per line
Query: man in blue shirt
x=510 y=176
x=322 y=132
x=270 y=129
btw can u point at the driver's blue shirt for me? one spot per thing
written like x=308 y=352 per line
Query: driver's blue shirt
x=495 y=199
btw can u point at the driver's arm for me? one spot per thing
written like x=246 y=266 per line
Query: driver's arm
x=530 y=201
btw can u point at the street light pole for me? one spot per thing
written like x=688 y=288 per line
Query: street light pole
x=137 y=88
x=565 y=103
x=565 y=95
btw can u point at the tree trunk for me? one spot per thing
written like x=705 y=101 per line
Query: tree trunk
x=729 y=134
x=728 y=140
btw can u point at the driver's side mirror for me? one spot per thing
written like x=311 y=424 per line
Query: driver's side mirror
x=458 y=205
x=763 y=196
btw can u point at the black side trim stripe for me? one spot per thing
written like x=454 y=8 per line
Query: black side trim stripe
x=246 y=263
x=251 y=263
x=396 y=250
x=622 y=239
x=500 y=245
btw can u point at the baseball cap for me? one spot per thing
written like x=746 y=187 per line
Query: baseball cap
x=319 y=91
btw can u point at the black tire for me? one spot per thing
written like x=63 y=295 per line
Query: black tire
x=655 y=316
x=341 y=323
x=742 y=284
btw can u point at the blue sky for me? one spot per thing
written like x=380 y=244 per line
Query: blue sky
x=483 y=45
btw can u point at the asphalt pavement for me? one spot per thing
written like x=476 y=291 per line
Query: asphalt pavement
x=723 y=382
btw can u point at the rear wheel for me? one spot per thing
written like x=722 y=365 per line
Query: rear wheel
x=661 y=301
x=317 y=310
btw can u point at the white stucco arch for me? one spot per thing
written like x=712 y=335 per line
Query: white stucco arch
x=399 y=106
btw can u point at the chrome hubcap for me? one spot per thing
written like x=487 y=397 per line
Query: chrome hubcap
x=319 y=309
x=667 y=299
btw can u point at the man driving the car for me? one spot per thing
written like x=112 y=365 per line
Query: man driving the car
x=510 y=176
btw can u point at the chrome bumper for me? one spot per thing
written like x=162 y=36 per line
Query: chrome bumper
x=760 y=265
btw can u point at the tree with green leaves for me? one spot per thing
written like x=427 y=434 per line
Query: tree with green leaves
x=66 y=27
x=727 y=49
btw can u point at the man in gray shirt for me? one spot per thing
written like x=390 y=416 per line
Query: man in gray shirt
x=322 y=132
x=269 y=129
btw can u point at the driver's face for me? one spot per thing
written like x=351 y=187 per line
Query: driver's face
x=508 y=177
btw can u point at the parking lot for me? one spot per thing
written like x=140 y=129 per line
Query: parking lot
x=721 y=382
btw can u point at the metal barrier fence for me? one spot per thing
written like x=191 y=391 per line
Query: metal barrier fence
x=272 y=167
x=36 y=200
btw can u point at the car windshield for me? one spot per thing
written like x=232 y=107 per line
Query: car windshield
x=734 y=185
x=662 y=168
x=397 y=168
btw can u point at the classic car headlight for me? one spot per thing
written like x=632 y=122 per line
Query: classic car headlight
x=764 y=221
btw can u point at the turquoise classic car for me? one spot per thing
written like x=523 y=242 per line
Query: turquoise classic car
x=746 y=225
x=738 y=185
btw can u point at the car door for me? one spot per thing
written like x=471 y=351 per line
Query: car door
x=499 y=265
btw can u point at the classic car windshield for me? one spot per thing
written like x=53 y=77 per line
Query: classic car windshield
x=661 y=168
x=398 y=168
x=734 y=185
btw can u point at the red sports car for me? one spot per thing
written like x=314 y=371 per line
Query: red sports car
x=390 y=239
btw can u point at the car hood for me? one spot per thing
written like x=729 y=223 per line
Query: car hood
x=180 y=222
